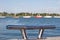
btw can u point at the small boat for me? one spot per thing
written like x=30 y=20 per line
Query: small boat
x=38 y=16
x=2 y=16
x=26 y=16
x=47 y=16
x=16 y=17
x=56 y=16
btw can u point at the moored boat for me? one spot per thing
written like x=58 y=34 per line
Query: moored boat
x=56 y=16
x=16 y=17
x=47 y=16
x=26 y=16
x=2 y=16
x=38 y=16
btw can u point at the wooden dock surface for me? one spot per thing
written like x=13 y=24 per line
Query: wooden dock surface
x=47 y=38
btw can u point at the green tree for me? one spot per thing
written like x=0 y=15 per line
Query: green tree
x=4 y=14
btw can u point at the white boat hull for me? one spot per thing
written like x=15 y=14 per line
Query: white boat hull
x=26 y=16
x=2 y=16
x=56 y=16
x=47 y=16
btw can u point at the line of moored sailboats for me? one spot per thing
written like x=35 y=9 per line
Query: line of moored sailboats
x=33 y=16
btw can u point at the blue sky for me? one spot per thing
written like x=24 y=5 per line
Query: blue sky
x=49 y=6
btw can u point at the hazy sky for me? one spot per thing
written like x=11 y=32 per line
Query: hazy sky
x=15 y=6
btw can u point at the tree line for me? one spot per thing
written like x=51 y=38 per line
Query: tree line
x=28 y=14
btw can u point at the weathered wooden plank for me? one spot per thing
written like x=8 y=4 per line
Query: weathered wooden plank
x=24 y=27
x=30 y=27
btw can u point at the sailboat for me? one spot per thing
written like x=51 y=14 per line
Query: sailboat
x=56 y=16
x=26 y=16
x=15 y=16
x=2 y=16
x=47 y=16
x=38 y=16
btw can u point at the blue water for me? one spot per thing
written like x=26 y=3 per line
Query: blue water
x=5 y=33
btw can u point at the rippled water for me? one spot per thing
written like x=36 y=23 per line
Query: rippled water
x=5 y=33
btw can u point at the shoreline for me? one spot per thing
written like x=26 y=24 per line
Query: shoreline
x=30 y=16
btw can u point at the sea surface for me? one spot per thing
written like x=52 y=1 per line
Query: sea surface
x=5 y=33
